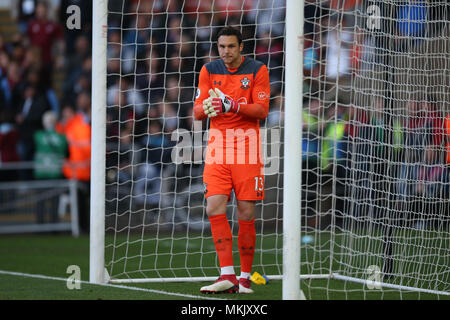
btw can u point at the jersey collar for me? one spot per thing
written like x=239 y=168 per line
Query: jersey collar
x=233 y=71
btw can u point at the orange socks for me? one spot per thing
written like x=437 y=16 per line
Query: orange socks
x=246 y=244
x=223 y=241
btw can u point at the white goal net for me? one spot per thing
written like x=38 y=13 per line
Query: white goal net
x=375 y=164
x=375 y=145
x=156 y=225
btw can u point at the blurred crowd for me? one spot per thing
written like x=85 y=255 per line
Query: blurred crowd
x=38 y=124
x=155 y=52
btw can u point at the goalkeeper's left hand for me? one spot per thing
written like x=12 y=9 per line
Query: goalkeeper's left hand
x=221 y=103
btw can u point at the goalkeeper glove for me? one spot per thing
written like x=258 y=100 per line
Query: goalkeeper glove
x=207 y=107
x=219 y=103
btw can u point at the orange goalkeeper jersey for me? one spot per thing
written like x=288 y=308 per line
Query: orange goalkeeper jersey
x=249 y=85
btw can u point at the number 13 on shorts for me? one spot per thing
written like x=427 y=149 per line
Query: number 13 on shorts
x=259 y=186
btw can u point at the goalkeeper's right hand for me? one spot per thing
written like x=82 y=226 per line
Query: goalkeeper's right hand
x=208 y=107
x=219 y=103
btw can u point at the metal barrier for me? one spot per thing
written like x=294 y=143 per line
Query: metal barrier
x=38 y=205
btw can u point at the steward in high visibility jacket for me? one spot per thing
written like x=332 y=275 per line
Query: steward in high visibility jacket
x=78 y=134
x=333 y=138
x=310 y=132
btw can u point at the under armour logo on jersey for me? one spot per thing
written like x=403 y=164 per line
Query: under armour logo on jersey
x=259 y=194
x=217 y=83
x=245 y=83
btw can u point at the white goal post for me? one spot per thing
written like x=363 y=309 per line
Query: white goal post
x=292 y=150
x=98 y=273
x=356 y=144
x=97 y=227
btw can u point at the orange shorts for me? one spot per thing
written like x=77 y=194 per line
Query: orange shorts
x=247 y=180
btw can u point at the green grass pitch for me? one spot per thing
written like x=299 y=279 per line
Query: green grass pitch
x=50 y=256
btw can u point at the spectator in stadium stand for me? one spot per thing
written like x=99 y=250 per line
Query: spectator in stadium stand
x=135 y=42
x=411 y=19
x=113 y=51
x=32 y=76
x=17 y=49
x=9 y=137
x=334 y=136
x=425 y=125
x=75 y=59
x=313 y=124
x=78 y=133
x=67 y=112
x=51 y=150
x=12 y=79
x=202 y=35
x=276 y=110
x=78 y=166
x=168 y=116
x=447 y=138
x=420 y=180
x=313 y=11
x=156 y=153
x=32 y=60
x=270 y=52
x=150 y=77
x=338 y=42
x=268 y=16
x=83 y=83
x=29 y=119
x=46 y=35
x=127 y=99
x=4 y=86
x=26 y=11
x=434 y=120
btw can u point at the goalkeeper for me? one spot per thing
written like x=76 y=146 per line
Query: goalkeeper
x=233 y=92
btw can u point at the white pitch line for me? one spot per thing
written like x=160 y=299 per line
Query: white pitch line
x=39 y=276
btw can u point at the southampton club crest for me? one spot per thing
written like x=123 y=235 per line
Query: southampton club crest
x=245 y=83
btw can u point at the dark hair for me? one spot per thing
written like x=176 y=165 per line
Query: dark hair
x=230 y=31
x=42 y=2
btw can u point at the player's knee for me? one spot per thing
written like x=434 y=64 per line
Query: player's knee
x=246 y=210
x=216 y=205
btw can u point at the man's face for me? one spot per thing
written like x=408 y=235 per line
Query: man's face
x=41 y=11
x=230 y=50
